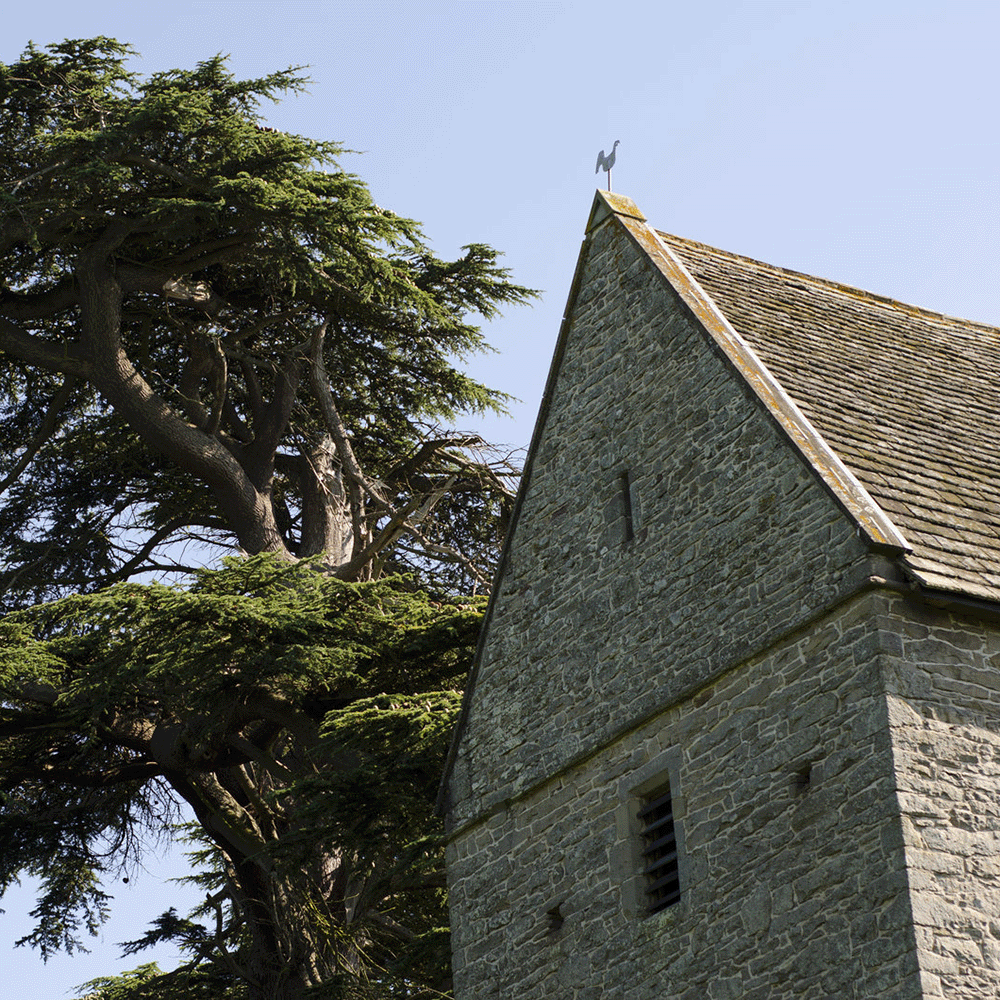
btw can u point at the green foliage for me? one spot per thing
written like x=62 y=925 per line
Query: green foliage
x=125 y=987
x=211 y=334
x=304 y=720
x=147 y=982
x=288 y=338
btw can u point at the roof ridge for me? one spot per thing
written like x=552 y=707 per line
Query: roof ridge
x=855 y=290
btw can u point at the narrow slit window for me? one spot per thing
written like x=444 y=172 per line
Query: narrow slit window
x=628 y=512
x=660 y=852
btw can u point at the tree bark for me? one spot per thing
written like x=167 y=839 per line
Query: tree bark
x=245 y=506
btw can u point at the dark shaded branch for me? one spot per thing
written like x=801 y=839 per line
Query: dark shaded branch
x=64 y=774
x=261 y=704
x=271 y=423
x=149 y=279
x=165 y=170
x=62 y=358
x=8 y=580
x=40 y=305
x=255 y=398
x=238 y=336
x=49 y=425
x=195 y=367
x=161 y=533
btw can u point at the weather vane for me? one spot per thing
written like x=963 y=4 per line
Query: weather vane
x=607 y=162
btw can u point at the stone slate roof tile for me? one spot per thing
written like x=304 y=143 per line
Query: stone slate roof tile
x=908 y=399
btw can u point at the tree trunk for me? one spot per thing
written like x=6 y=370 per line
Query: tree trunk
x=245 y=506
x=326 y=513
x=297 y=916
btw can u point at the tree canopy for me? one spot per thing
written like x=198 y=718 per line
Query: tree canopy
x=303 y=721
x=212 y=332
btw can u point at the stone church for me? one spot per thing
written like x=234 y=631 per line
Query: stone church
x=733 y=732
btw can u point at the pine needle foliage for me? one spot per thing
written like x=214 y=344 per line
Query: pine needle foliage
x=301 y=718
x=212 y=333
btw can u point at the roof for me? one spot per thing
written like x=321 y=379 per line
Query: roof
x=907 y=399
x=896 y=408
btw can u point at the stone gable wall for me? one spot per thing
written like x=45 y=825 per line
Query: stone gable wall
x=734 y=646
x=942 y=673
x=791 y=889
x=735 y=542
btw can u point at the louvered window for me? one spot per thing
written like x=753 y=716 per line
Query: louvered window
x=660 y=854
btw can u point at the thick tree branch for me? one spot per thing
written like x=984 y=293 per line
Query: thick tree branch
x=221 y=372
x=271 y=424
x=394 y=528
x=255 y=397
x=331 y=417
x=65 y=774
x=63 y=358
x=246 y=507
x=39 y=305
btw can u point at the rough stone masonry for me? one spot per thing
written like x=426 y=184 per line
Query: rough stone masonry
x=682 y=601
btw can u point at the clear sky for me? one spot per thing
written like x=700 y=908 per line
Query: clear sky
x=852 y=140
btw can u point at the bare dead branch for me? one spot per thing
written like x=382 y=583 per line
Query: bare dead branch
x=331 y=417
x=447 y=553
x=221 y=372
x=196 y=294
x=50 y=169
x=165 y=531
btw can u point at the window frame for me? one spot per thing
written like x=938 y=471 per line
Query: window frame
x=635 y=790
x=660 y=850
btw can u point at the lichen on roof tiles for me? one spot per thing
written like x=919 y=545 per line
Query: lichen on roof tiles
x=908 y=399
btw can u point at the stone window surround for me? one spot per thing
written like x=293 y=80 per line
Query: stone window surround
x=627 y=862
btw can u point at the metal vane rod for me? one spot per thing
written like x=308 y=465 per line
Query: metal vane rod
x=607 y=162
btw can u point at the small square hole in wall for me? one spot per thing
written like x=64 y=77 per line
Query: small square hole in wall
x=802 y=779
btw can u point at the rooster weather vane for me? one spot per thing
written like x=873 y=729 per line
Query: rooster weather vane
x=607 y=162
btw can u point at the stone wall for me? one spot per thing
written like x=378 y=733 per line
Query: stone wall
x=736 y=541
x=943 y=681
x=833 y=750
x=792 y=870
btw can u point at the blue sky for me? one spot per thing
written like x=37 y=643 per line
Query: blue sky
x=852 y=140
